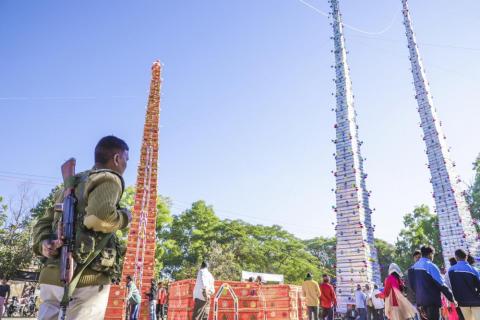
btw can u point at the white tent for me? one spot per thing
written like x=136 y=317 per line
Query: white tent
x=266 y=277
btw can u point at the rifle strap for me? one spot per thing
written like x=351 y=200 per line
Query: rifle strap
x=70 y=288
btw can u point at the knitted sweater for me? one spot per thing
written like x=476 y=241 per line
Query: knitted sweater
x=101 y=193
x=311 y=292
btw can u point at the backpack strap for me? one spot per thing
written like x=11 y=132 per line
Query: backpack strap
x=73 y=284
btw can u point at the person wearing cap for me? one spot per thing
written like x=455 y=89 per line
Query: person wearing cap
x=204 y=288
x=311 y=292
x=397 y=307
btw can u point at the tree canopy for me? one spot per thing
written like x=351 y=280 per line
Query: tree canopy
x=420 y=228
x=232 y=246
x=15 y=234
x=473 y=194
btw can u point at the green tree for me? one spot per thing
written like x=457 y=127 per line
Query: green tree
x=420 y=228
x=223 y=263
x=324 y=249
x=163 y=221
x=386 y=255
x=45 y=203
x=15 y=234
x=234 y=245
x=187 y=240
x=473 y=193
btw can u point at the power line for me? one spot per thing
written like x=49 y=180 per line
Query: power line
x=323 y=13
x=17 y=180
x=65 y=98
x=28 y=175
x=10 y=176
x=368 y=34
x=429 y=44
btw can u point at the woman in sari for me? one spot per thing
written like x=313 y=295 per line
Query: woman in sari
x=397 y=307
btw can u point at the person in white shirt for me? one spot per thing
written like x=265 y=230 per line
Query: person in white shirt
x=204 y=288
x=378 y=304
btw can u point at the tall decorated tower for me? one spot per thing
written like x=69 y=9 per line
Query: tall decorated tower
x=455 y=221
x=139 y=259
x=357 y=261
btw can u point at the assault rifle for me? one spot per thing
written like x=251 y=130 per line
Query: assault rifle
x=66 y=229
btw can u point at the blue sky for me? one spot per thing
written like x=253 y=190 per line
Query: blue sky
x=246 y=122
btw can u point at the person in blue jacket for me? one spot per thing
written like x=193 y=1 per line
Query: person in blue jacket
x=465 y=283
x=428 y=285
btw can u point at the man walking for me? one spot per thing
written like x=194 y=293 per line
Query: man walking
x=152 y=299
x=4 y=295
x=370 y=308
x=133 y=299
x=465 y=284
x=428 y=285
x=311 y=292
x=361 y=302
x=378 y=304
x=97 y=215
x=328 y=299
x=204 y=288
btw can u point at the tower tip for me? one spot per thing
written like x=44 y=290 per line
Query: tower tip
x=156 y=64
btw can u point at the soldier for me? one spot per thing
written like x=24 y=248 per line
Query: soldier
x=98 y=216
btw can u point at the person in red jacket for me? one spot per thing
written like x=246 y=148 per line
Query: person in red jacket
x=328 y=299
x=162 y=301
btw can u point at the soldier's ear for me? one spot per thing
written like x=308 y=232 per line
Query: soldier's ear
x=116 y=159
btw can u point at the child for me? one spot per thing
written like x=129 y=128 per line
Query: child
x=352 y=313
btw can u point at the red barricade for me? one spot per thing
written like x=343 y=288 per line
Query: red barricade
x=255 y=302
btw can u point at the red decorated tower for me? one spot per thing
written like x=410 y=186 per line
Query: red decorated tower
x=139 y=259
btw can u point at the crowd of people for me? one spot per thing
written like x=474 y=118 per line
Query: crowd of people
x=453 y=295
x=319 y=295
x=24 y=303
x=424 y=292
x=157 y=300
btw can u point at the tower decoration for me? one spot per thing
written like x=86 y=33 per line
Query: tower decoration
x=357 y=261
x=139 y=261
x=456 y=227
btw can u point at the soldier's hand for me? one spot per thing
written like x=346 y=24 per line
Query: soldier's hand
x=50 y=248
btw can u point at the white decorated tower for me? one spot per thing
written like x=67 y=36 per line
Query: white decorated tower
x=455 y=221
x=357 y=261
